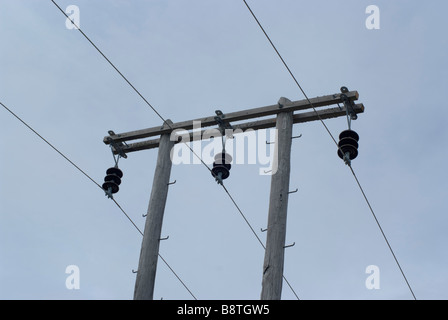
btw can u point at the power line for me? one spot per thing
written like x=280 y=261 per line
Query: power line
x=53 y=147
x=124 y=77
x=351 y=169
x=258 y=238
x=289 y=70
x=382 y=232
x=92 y=180
x=178 y=278
x=110 y=62
x=127 y=216
x=147 y=103
x=244 y=217
x=65 y=157
x=297 y=83
x=169 y=125
x=160 y=256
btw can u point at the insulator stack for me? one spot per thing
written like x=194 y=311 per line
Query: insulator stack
x=112 y=180
x=221 y=166
x=348 y=145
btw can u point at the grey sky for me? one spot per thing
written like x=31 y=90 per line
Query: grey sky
x=189 y=58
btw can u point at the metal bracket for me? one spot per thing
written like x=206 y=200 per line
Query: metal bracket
x=117 y=147
x=109 y=193
x=222 y=124
x=346 y=158
x=349 y=105
x=218 y=178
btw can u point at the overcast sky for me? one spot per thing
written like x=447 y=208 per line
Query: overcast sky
x=189 y=58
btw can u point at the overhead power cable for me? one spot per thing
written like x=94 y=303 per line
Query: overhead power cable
x=258 y=238
x=97 y=184
x=382 y=232
x=110 y=62
x=166 y=123
x=124 y=77
x=163 y=259
x=334 y=140
x=52 y=146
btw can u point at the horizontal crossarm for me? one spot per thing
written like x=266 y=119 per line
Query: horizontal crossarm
x=254 y=125
x=232 y=117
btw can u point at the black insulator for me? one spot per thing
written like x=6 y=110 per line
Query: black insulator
x=221 y=166
x=220 y=169
x=112 y=179
x=223 y=158
x=348 y=144
x=228 y=166
x=349 y=134
x=348 y=149
x=115 y=171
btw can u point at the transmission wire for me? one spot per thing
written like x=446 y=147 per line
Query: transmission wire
x=110 y=62
x=165 y=122
x=92 y=180
x=334 y=140
x=382 y=232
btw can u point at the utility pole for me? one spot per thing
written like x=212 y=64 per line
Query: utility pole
x=286 y=114
x=146 y=273
x=278 y=205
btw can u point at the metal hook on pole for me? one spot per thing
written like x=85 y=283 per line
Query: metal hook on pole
x=166 y=238
x=170 y=183
x=290 y=245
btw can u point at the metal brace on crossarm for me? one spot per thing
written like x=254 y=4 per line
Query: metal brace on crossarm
x=223 y=126
x=117 y=147
x=349 y=107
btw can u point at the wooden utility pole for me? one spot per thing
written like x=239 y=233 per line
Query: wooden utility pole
x=278 y=205
x=286 y=116
x=146 y=273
